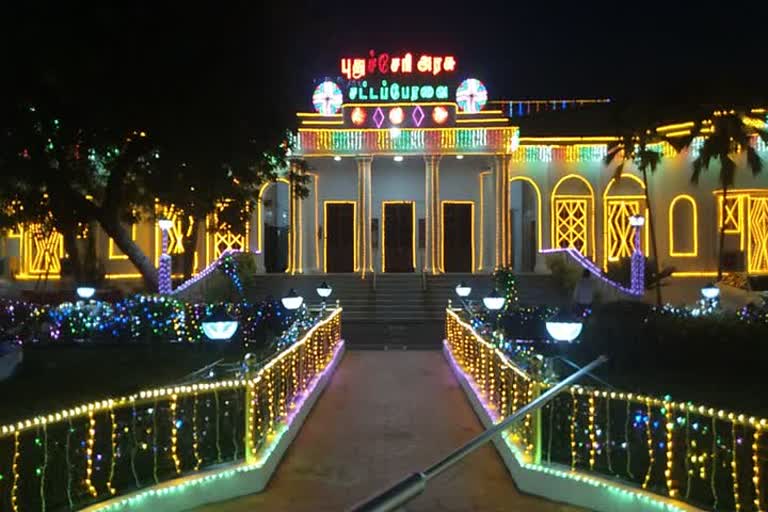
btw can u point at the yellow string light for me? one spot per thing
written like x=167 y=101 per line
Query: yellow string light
x=649 y=442
x=89 y=455
x=15 y=471
x=756 y=467
x=174 y=436
x=669 y=471
x=735 y=470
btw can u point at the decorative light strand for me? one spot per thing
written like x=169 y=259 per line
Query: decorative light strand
x=669 y=470
x=608 y=433
x=735 y=470
x=714 y=462
x=67 y=445
x=113 y=453
x=174 y=436
x=756 y=467
x=15 y=472
x=574 y=410
x=649 y=441
x=89 y=455
x=195 y=439
x=592 y=437
x=44 y=468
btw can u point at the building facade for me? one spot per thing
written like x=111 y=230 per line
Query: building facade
x=413 y=168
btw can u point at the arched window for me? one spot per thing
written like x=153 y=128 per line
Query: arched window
x=683 y=227
x=573 y=214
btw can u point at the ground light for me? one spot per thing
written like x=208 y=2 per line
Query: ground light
x=292 y=301
x=85 y=292
x=324 y=290
x=462 y=290
x=710 y=291
x=219 y=326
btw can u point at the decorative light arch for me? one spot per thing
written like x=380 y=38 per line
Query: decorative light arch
x=572 y=204
x=618 y=235
x=260 y=227
x=694 y=227
x=538 y=205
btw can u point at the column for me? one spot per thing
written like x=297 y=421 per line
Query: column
x=364 y=215
x=501 y=203
x=433 y=240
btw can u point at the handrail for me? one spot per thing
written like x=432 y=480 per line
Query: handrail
x=407 y=489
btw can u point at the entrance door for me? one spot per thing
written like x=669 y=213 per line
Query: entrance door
x=340 y=237
x=398 y=250
x=457 y=237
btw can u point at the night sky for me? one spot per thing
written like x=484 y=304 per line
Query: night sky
x=241 y=70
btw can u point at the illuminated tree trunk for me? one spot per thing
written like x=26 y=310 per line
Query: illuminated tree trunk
x=122 y=239
x=652 y=228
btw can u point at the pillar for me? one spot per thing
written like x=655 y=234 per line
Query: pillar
x=432 y=215
x=501 y=204
x=364 y=215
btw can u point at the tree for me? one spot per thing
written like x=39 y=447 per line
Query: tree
x=636 y=134
x=731 y=133
x=221 y=183
x=66 y=176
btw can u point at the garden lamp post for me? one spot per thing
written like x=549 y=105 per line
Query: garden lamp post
x=637 y=261
x=292 y=301
x=494 y=302
x=164 y=270
x=463 y=290
x=711 y=295
x=85 y=292
x=324 y=291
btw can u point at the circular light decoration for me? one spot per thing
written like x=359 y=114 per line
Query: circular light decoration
x=396 y=115
x=358 y=116
x=440 y=115
x=564 y=331
x=327 y=98
x=471 y=96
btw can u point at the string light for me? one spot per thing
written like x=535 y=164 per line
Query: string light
x=113 y=452
x=668 y=472
x=89 y=455
x=756 y=467
x=592 y=437
x=174 y=436
x=735 y=470
x=15 y=472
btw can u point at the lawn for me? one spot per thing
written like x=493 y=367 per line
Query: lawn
x=53 y=377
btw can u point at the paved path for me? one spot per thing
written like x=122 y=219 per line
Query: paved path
x=384 y=415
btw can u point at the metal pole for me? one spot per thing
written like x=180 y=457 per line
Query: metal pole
x=412 y=486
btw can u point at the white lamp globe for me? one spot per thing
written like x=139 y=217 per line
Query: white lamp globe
x=564 y=330
x=165 y=224
x=494 y=301
x=292 y=301
x=636 y=221
x=85 y=292
x=324 y=290
x=710 y=291
x=462 y=290
x=219 y=326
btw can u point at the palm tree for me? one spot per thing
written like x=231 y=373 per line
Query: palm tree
x=633 y=146
x=731 y=133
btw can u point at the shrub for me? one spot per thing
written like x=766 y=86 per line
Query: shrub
x=565 y=272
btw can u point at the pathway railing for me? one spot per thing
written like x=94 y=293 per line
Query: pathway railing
x=609 y=289
x=687 y=454
x=79 y=456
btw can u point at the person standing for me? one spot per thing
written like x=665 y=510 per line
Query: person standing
x=584 y=292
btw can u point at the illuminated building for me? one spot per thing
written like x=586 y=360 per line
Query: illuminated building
x=415 y=167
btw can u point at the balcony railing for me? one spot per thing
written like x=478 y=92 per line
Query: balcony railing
x=674 y=455
x=83 y=456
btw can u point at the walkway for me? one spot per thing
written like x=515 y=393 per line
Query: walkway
x=384 y=415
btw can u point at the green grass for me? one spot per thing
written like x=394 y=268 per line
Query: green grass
x=55 y=377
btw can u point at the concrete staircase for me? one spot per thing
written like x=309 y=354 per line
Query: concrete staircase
x=399 y=313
